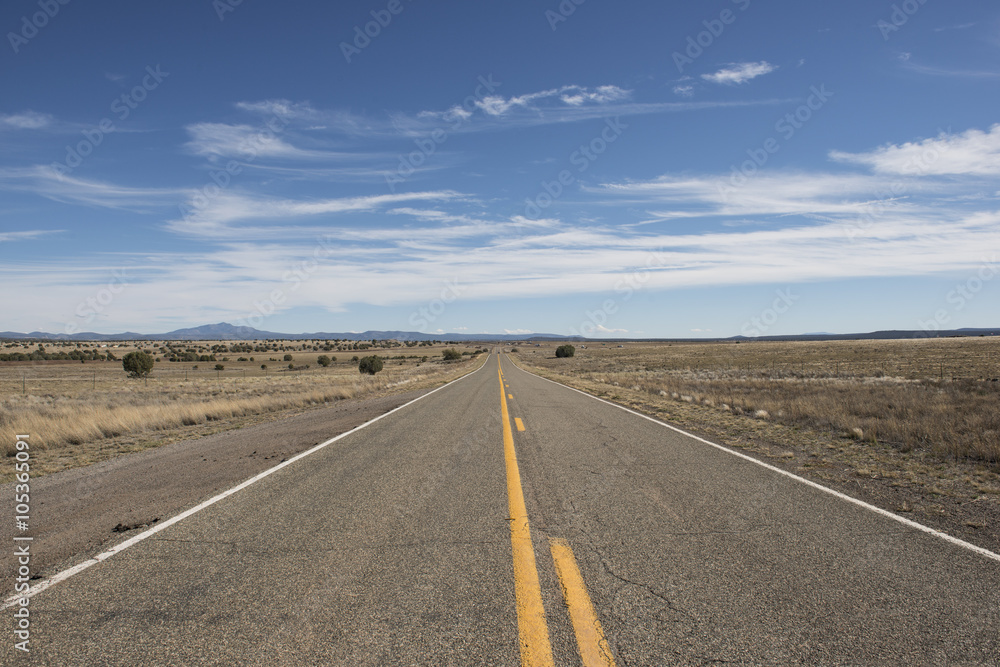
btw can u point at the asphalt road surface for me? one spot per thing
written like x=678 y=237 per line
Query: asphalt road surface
x=506 y=520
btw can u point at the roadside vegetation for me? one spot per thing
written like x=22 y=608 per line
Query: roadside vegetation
x=910 y=426
x=81 y=413
x=937 y=396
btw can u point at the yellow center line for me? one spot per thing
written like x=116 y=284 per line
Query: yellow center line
x=533 y=632
x=510 y=396
x=520 y=424
x=594 y=649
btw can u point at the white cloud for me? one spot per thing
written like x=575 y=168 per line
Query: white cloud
x=8 y=237
x=47 y=182
x=284 y=109
x=972 y=152
x=684 y=90
x=228 y=212
x=26 y=120
x=738 y=73
x=573 y=96
x=248 y=143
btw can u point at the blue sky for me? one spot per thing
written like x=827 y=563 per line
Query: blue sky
x=644 y=169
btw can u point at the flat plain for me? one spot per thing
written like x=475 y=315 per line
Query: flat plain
x=909 y=425
x=79 y=413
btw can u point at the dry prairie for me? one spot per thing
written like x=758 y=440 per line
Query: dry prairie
x=77 y=413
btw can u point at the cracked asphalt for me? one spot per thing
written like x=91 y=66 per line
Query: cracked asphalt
x=391 y=546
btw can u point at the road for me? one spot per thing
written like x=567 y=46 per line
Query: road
x=404 y=543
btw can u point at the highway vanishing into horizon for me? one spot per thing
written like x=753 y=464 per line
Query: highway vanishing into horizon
x=504 y=519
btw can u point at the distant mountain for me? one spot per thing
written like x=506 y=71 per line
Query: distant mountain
x=226 y=331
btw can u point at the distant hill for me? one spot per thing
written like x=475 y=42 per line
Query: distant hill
x=226 y=331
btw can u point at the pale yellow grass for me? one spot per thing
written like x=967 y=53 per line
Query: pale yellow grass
x=74 y=411
x=937 y=396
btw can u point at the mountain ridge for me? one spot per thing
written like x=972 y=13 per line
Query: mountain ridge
x=226 y=331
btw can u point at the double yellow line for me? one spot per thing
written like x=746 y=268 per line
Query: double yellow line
x=533 y=632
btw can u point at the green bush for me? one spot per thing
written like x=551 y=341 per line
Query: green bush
x=451 y=354
x=288 y=357
x=565 y=351
x=370 y=365
x=323 y=360
x=220 y=367
x=137 y=364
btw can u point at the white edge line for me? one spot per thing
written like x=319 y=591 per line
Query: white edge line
x=843 y=496
x=80 y=567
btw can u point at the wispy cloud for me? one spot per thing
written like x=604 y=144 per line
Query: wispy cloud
x=493 y=113
x=246 y=142
x=973 y=152
x=29 y=235
x=960 y=26
x=737 y=73
x=230 y=212
x=47 y=182
x=908 y=63
x=25 y=120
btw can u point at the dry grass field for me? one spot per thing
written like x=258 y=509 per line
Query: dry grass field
x=911 y=426
x=937 y=396
x=78 y=413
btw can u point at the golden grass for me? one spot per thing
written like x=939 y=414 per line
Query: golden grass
x=936 y=396
x=67 y=405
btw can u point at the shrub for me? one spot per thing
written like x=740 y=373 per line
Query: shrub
x=355 y=358
x=513 y=349
x=323 y=360
x=288 y=357
x=565 y=351
x=263 y=367
x=137 y=364
x=220 y=367
x=451 y=354
x=370 y=365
